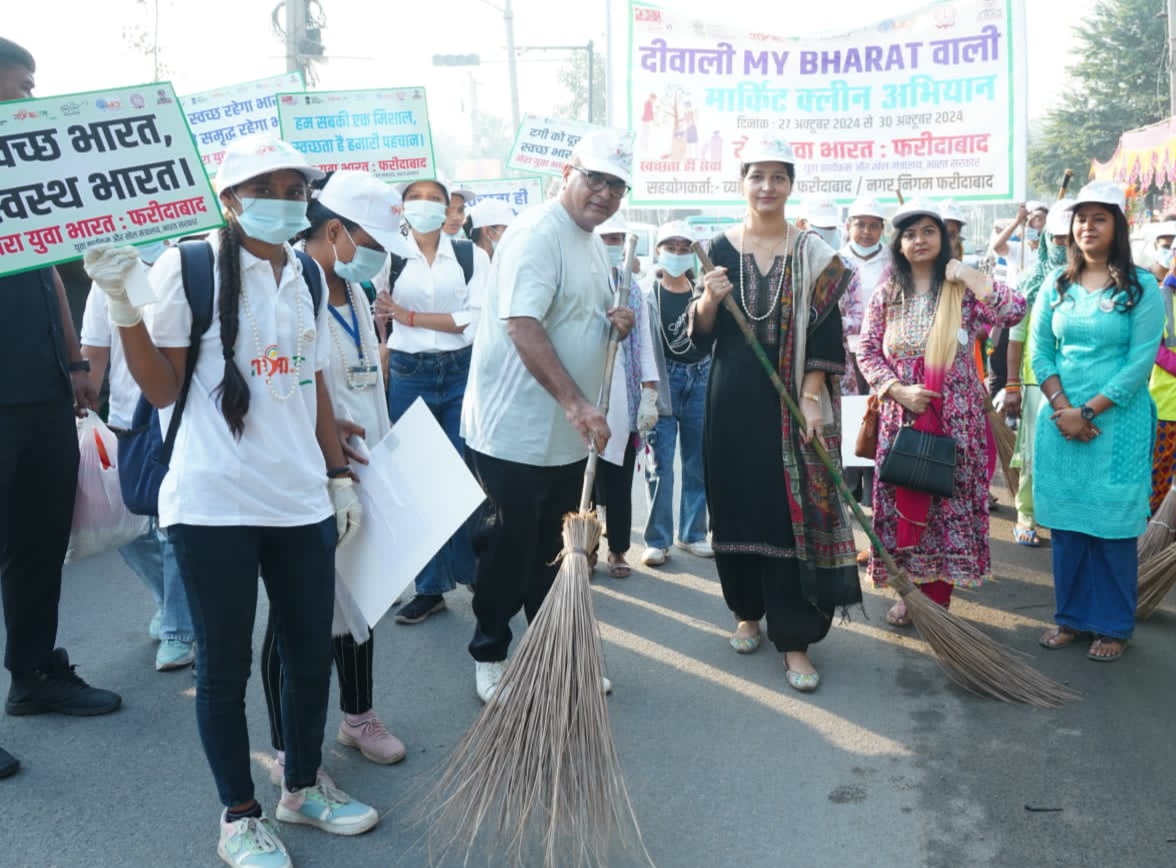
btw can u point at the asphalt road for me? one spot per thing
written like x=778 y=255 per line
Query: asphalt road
x=888 y=764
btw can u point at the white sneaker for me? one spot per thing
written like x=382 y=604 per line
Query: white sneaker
x=700 y=549
x=487 y=676
x=251 y=843
x=654 y=557
x=605 y=685
x=326 y=807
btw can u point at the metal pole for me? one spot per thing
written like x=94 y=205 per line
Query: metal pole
x=512 y=64
x=608 y=62
x=1172 y=57
x=292 y=32
x=591 y=64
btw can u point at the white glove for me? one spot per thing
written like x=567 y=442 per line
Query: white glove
x=110 y=268
x=647 y=415
x=348 y=510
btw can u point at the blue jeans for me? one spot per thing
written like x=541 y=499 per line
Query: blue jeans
x=688 y=397
x=440 y=380
x=153 y=560
x=219 y=566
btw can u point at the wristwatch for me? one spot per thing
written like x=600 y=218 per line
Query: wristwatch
x=1087 y=413
x=83 y=365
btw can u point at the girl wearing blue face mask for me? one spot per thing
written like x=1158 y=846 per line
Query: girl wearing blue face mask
x=431 y=298
x=683 y=385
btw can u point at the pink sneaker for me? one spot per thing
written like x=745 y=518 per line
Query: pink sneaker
x=277 y=770
x=366 y=732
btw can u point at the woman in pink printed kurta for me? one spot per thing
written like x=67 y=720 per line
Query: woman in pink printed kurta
x=954 y=546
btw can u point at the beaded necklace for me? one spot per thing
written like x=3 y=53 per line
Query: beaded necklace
x=779 y=284
x=681 y=345
x=361 y=376
x=298 y=358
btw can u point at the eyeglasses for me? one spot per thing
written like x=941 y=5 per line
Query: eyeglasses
x=597 y=181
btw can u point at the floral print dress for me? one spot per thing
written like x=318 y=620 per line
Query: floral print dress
x=954 y=545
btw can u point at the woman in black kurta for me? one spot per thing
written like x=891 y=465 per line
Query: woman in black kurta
x=782 y=540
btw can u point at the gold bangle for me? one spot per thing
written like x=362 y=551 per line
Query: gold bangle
x=814 y=398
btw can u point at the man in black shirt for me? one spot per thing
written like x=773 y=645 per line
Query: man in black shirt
x=45 y=381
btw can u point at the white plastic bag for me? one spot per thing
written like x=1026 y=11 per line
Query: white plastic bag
x=101 y=521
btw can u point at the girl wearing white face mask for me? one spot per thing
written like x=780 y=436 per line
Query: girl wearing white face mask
x=488 y=220
x=683 y=386
x=431 y=299
x=257 y=483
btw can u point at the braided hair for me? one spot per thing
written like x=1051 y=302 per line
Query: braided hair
x=233 y=391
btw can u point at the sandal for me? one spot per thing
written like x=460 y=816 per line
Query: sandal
x=898 y=615
x=1060 y=637
x=618 y=569
x=1025 y=536
x=1104 y=642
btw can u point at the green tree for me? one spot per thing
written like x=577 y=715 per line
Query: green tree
x=1120 y=83
x=143 y=37
x=574 y=76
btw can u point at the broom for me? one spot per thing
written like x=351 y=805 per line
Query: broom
x=1006 y=443
x=1160 y=533
x=971 y=659
x=539 y=766
x=1156 y=578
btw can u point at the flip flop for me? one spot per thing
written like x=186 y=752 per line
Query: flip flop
x=1060 y=637
x=1106 y=658
x=618 y=570
x=894 y=619
x=1026 y=536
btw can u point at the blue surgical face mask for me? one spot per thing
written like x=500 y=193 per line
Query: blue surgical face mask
x=1032 y=234
x=829 y=235
x=675 y=264
x=151 y=251
x=273 y=221
x=1164 y=256
x=1057 y=255
x=616 y=254
x=364 y=265
x=865 y=252
x=424 y=216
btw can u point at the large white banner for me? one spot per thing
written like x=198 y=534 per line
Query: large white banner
x=932 y=103
x=385 y=131
x=115 y=166
x=518 y=193
x=219 y=116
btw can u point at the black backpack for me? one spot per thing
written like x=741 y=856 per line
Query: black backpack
x=143 y=456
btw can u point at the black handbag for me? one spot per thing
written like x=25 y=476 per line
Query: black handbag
x=921 y=461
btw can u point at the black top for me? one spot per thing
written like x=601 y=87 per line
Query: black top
x=32 y=347
x=675 y=341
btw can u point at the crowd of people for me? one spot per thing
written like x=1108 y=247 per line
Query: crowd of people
x=373 y=296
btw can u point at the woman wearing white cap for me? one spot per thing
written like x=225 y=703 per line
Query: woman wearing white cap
x=914 y=354
x=488 y=221
x=1096 y=326
x=783 y=545
x=687 y=369
x=436 y=291
x=1163 y=379
x=632 y=409
x=256 y=466
x=460 y=202
x=354 y=223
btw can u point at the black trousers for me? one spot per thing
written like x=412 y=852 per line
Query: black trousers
x=353 y=665
x=38 y=481
x=517 y=536
x=614 y=490
x=755 y=586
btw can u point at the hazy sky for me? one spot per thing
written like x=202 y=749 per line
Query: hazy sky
x=80 y=46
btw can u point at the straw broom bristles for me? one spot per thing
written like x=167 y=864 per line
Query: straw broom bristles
x=1156 y=579
x=968 y=657
x=541 y=755
x=1161 y=530
x=1006 y=444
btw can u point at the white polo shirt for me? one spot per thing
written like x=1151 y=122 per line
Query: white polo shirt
x=548 y=268
x=275 y=475
x=97 y=332
x=871 y=272
x=437 y=288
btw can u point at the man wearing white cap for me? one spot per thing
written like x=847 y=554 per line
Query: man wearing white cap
x=537 y=369
x=1162 y=235
x=488 y=222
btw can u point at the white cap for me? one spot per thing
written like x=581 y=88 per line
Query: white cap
x=1104 y=193
x=916 y=208
x=251 y=156
x=1057 y=221
x=1035 y=205
x=612 y=225
x=674 y=229
x=368 y=201
x=949 y=210
x=455 y=189
x=491 y=212
x=767 y=150
x=607 y=151
x=824 y=214
x=867 y=206
x=1162 y=230
x=403 y=186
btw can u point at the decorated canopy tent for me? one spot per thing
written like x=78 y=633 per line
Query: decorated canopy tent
x=1145 y=157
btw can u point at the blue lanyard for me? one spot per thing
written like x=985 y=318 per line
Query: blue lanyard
x=352 y=329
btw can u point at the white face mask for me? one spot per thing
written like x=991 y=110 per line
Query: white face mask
x=1032 y=234
x=616 y=254
x=424 y=216
x=865 y=252
x=1164 y=256
x=830 y=236
x=675 y=264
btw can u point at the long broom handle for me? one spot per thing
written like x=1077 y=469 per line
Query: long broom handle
x=622 y=292
x=1069 y=174
x=818 y=447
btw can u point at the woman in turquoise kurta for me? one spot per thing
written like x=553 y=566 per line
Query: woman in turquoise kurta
x=1096 y=326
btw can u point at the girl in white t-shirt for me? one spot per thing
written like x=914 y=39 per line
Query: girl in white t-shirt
x=257 y=482
x=354 y=222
